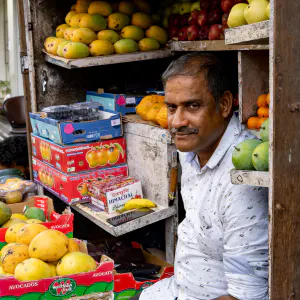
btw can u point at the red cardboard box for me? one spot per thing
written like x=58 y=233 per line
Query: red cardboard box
x=63 y=223
x=71 y=188
x=80 y=157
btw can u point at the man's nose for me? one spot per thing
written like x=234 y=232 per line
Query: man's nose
x=178 y=119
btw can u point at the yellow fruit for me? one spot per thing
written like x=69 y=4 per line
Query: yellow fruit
x=101 y=47
x=12 y=255
x=68 y=32
x=61 y=29
x=32 y=269
x=157 y=33
x=54 y=45
x=73 y=7
x=12 y=222
x=82 y=7
x=73 y=246
x=100 y=8
x=74 y=22
x=26 y=234
x=118 y=21
x=138 y=203
x=34 y=221
x=83 y=35
x=127 y=8
x=76 y=50
x=48 y=41
x=60 y=53
x=2 y=273
x=49 y=245
x=236 y=15
x=148 y=44
x=108 y=35
x=16 y=196
x=143 y=6
x=11 y=232
x=268 y=10
x=93 y=22
x=141 y=20
x=126 y=46
x=185 y=8
x=74 y=263
x=256 y=11
x=19 y=216
x=69 y=17
x=52 y=269
x=132 y=32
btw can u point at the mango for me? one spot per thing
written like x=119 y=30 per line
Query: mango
x=260 y=156
x=26 y=234
x=48 y=41
x=5 y=213
x=60 y=53
x=73 y=7
x=108 y=35
x=93 y=22
x=19 y=216
x=60 y=30
x=11 y=233
x=11 y=222
x=17 y=196
x=143 y=6
x=148 y=44
x=132 y=32
x=118 y=21
x=2 y=273
x=75 y=263
x=52 y=269
x=264 y=131
x=101 y=47
x=74 y=22
x=82 y=7
x=73 y=246
x=35 y=213
x=125 y=46
x=157 y=33
x=35 y=221
x=127 y=8
x=76 y=50
x=32 y=269
x=69 y=17
x=141 y=20
x=68 y=32
x=49 y=245
x=102 y=8
x=83 y=35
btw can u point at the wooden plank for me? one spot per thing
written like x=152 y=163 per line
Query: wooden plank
x=285 y=148
x=257 y=33
x=99 y=219
x=254 y=178
x=253 y=76
x=105 y=60
x=213 y=46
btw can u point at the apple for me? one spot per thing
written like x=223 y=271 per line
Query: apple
x=204 y=4
x=173 y=32
x=193 y=18
x=215 y=4
x=241 y=1
x=214 y=16
x=224 y=19
x=195 y=6
x=203 y=33
x=182 y=34
x=185 y=8
x=174 y=20
x=216 y=32
x=226 y=5
x=193 y=33
x=184 y=20
x=175 y=8
x=202 y=18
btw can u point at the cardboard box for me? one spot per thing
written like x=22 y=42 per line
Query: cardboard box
x=71 y=188
x=68 y=132
x=63 y=223
x=125 y=104
x=80 y=157
x=65 y=287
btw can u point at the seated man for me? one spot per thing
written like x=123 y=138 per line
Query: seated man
x=222 y=250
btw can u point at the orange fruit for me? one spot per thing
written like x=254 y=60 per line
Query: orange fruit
x=252 y=122
x=262 y=100
x=268 y=99
x=260 y=121
x=263 y=112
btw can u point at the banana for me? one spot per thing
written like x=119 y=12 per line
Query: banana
x=136 y=203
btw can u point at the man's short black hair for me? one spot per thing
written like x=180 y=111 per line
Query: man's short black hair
x=195 y=63
x=14 y=152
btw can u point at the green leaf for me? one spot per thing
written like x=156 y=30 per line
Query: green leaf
x=119 y=147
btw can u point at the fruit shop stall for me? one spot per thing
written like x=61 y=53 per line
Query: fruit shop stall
x=266 y=60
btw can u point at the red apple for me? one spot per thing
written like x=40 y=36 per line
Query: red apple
x=224 y=19
x=174 y=20
x=241 y=1
x=173 y=32
x=193 y=19
x=226 y=5
x=204 y=4
x=216 y=32
x=182 y=34
x=215 y=4
x=184 y=20
x=214 y=16
x=203 y=33
x=193 y=33
x=202 y=18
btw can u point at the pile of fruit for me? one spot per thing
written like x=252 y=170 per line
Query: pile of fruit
x=243 y=14
x=253 y=154
x=263 y=102
x=99 y=28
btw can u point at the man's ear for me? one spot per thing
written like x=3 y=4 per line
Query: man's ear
x=226 y=103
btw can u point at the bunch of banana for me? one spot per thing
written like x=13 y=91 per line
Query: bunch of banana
x=137 y=203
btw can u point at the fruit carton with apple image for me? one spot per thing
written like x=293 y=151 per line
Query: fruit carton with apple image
x=80 y=157
x=111 y=194
x=71 y=188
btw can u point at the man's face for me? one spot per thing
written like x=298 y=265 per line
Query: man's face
x=195 y=124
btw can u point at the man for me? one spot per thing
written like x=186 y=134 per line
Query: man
x=222 y=250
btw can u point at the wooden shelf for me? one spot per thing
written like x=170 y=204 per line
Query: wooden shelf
x=254 y=178
x=106 y=60
x=218 y=45
x=99 y=218
x=254 y=34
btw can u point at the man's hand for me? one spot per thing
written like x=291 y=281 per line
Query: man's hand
x=226 y=298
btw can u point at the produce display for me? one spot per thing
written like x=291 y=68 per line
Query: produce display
x=254 y=12
x=263 y=102
x=98 y=28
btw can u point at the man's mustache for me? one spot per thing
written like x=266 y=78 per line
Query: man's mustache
x=184 y=130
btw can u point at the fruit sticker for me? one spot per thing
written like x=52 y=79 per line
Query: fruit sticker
x=62 y=287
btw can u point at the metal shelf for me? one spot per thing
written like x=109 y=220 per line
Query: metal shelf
x=254 y=178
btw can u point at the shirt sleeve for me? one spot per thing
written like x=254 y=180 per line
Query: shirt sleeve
x=244 y=212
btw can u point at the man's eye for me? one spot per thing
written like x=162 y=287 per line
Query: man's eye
x=193 y=106
x=171 y=108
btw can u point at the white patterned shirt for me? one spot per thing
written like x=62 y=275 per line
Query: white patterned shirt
x=223 y=241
